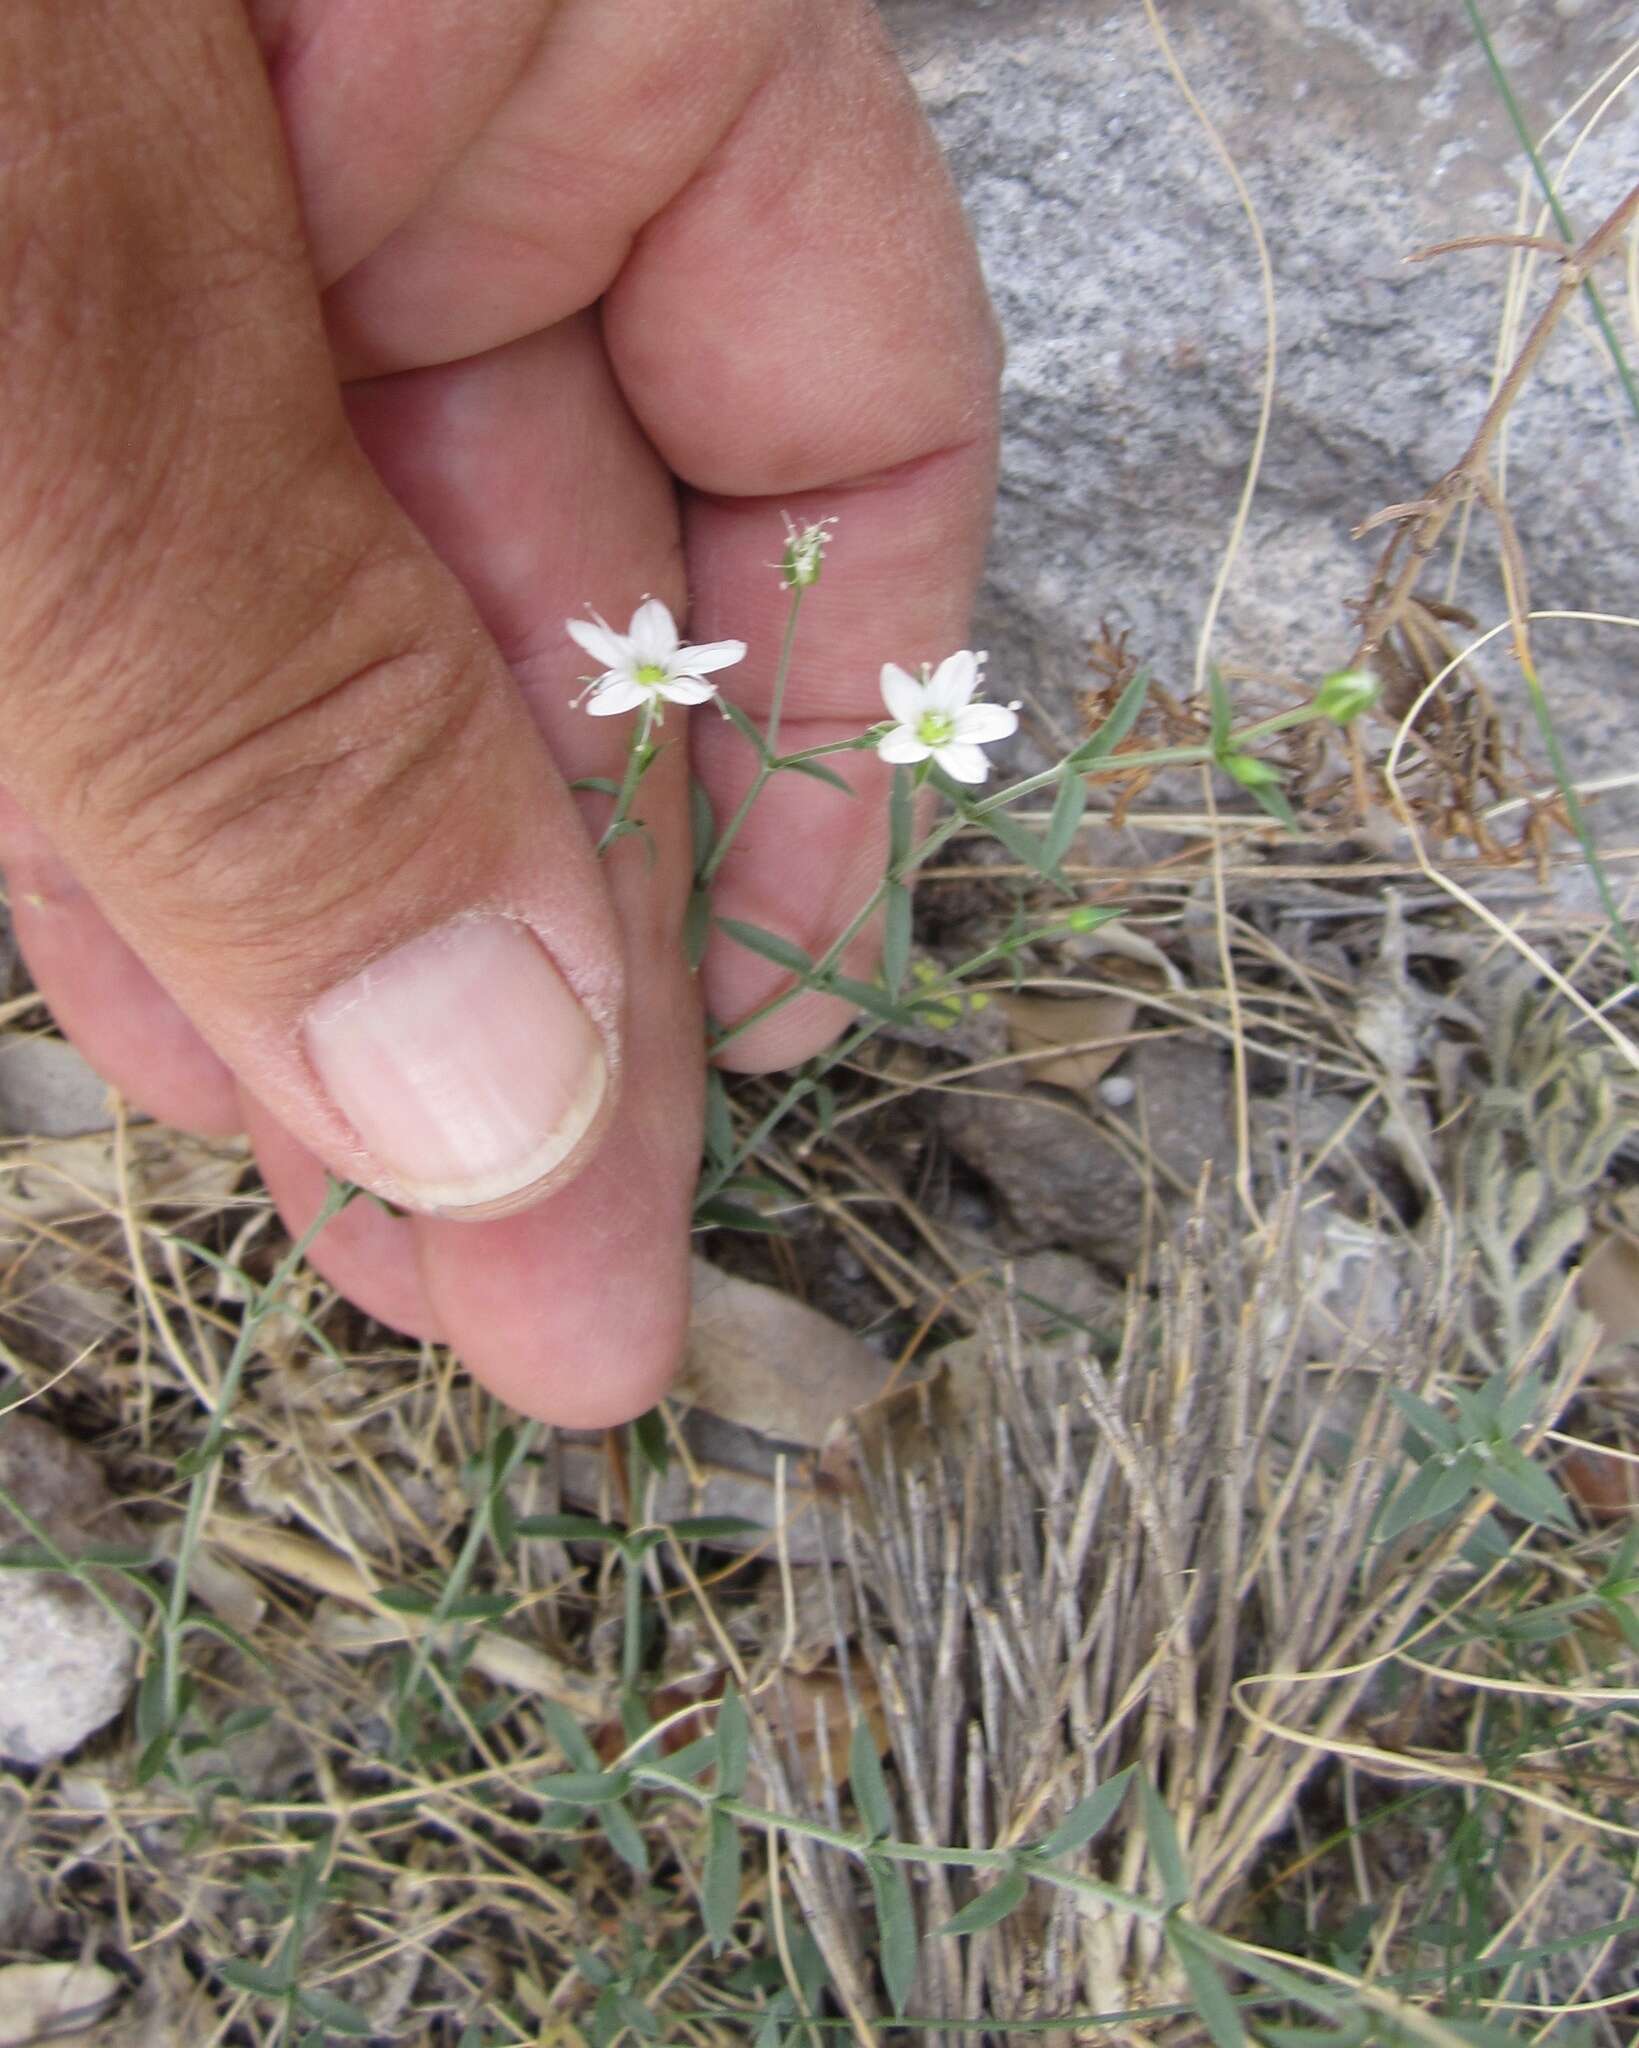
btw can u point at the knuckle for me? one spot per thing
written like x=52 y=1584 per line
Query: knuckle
x=283 y=799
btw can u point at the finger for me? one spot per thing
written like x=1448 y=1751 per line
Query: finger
x=102 y=996
x=805 y=329
x=527 y=473
x=537 y=201
x=365 y=1253
x=238 y=693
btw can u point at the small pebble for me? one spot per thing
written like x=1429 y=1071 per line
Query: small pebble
x=1117 y=1091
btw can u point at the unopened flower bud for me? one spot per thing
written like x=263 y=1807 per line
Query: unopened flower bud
x=1346 y=693
x=804 y=555
x=1250 y=772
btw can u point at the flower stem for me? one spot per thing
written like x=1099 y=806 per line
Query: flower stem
x=640 y=754
x=770 y=764
x=782 y=671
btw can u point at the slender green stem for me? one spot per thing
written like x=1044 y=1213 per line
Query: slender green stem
x=1505 y=92
x=478 y=1530
x=769 y=764
x=771 y=738
x=891 y=1851
x=203 y=1489
x=638 y=757
x=631 y=1641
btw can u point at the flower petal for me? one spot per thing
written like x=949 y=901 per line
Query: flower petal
x=620 y=695
x=962 y=763
x=686 y=690
x=902 y=745
x=902 y=694
x=715 y=654
x=953 y=682
x=982 y=724
x=653 y=633
x=600 y=640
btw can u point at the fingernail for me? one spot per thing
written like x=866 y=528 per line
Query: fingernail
x=464 y=1063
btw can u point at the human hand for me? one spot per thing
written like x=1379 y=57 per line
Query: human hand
x=596 y=289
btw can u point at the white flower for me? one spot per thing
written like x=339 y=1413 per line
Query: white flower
x=645 y=663
x=936 y=716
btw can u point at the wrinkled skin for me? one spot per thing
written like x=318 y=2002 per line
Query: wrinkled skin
x=352 y=346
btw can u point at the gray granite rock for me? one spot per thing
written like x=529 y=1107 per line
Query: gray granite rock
x=1127 y=284
x=48 y=1091
x=1097 y=1186
x=66 y=1663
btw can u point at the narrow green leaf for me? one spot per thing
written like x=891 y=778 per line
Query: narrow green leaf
x=254 y=1977
x=692 y=1760
x=1089 y=1818
x=733 y=1743
x=1023 y=844
x=336 y=2015
x=1117 y=726
x=719 y=1120
x=245 y=1721
x=570 y=1736
x=896 y=935
x=584 y=1788
x=696 y=926
x=743 y=725
x=1068 y=806
x=599 y=784
x=820 y=773
x=650 y=1442
x=717 y=1212
x=41 y=1557
x=714 y=1528
x=597 y=1971
x=478 y=1607
x=702 y=823
x=901 y=818
x=1270 y=797
x=1162 y=1835
x=825 y=1106
x=624 y=1836
x=991 y=1907
x=1425 y=1419
x=1223 y=713
x=569 y=1528
x=720 y=1882
x=202 y=1456
x=1435 y=1490
x=866 y=995
x=406 y=1600
x=1211 y=1995
x=783 y=952
x=870 y=1787
x=626 y=828
x=896 y=1930
x=637 y=2016
x=1477 y=1411
x=1520 y=1406
x=1525 y=1490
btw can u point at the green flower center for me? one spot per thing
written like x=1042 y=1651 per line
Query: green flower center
x=651 y=674
x=936 y=728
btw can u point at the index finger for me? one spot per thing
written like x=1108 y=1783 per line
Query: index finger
x=805 y=330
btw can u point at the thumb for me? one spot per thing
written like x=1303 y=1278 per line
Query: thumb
x=255 y=716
